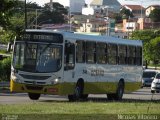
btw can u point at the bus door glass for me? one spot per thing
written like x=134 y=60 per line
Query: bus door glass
x=69 y=60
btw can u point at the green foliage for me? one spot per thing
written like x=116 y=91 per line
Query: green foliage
x=126 y=13
x=5 y=36
x=6 y=12
x=145 y=35
x=155 y=49
x=52 y=16
x=12 y=17
x=81 y=108
x=16 y=21
x=5 y=69
x=155 y=15
x=151 y=41
x=117 y=17
x=32 y=6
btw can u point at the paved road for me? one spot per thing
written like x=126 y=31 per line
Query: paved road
x=20 y=98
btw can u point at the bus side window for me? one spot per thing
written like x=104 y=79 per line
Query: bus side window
x=69 y=56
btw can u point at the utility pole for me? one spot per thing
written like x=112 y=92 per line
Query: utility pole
x=70 y=25
x=36 y=18
x=25 y=14
x=141 y=8
x=51 y=5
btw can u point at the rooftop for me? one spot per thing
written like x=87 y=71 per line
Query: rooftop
x=135 y=7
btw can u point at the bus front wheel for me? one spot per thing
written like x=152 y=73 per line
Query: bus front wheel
x=78 y=92
x=34 y=96
x=110 y=96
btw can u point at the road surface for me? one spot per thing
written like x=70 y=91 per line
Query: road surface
x=20 y=98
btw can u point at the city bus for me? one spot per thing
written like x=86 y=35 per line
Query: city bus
x=75 y=65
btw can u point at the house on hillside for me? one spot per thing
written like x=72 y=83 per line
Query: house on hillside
x=98 y=26
x=150 y=8
x=105 y=7
x=137 y=10
x=130 y=25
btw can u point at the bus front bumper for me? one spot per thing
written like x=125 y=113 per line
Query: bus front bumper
x=27 y=88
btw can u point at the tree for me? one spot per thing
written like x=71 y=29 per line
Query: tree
x=117 y=17
x=147 y=36
x=6 y=7
x=155 y=15
x=155 y=50
x=126 y=13
x=52 y=16
x=16 y=23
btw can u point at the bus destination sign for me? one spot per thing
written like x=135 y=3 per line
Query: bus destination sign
x=43 y=37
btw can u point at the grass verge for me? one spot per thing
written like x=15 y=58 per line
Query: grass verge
x=79 y=110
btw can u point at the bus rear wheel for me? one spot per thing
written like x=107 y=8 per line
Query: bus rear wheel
x=119 y=92
x=34 y=96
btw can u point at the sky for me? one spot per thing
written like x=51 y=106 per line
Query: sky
x=144 y=3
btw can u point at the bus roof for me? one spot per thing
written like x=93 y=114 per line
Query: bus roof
x=77 y=36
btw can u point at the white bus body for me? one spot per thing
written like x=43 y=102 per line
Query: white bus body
x=63 y=63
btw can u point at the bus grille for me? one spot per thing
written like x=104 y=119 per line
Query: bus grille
x=33 y=82
x=34 y=87
x=33 y=77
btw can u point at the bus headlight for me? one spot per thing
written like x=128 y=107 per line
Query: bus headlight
x=14 y=77
x=55 y=81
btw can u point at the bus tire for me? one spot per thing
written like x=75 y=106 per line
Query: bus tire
x=78 y=91
x=34 y=96
x=77 y=94
x=120 y=90
x=152 y=91
x=84 y=96
x=71 y=98
x=110 y=96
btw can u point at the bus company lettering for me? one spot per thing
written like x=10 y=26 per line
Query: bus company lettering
x=97 y=72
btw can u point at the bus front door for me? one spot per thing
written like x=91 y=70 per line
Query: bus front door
x=69 y=63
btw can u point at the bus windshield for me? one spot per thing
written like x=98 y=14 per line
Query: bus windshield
x=37 y=57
